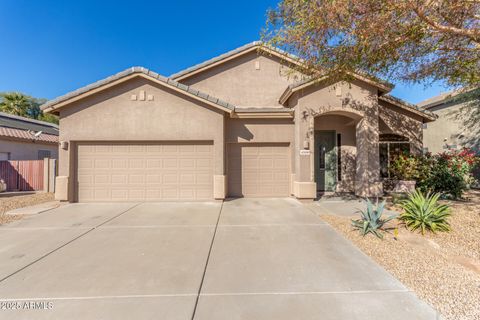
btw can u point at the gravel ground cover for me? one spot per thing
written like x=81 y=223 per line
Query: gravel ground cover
x=14 y=202
x=443 y=269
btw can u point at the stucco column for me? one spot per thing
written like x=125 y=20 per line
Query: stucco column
x=304 y=186
x=63 y=188
x=367 y=178
x=219 y=176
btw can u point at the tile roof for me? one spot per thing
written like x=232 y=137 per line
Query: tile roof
x=27 y=135
x=412 y=107
x=17 y=122
x=382 y=84
x=147 y=72
x=233 y=52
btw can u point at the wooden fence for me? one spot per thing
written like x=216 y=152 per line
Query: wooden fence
x=27 y=175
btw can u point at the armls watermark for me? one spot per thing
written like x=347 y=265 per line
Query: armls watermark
x=26 y=305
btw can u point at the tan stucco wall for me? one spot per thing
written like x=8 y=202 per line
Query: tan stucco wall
x=240 y=83
x=112 y=116
x=355 y=100
x=259 y=130
x=401 y=122
x=457 y=124
x=20 y=150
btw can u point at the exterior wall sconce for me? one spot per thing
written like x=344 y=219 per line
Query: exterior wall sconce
x=64 y=145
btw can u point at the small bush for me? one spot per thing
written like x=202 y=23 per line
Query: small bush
x=425 y=213
x=371 y=220
x=448 y=173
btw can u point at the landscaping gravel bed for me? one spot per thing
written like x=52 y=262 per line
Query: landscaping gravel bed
x=14 y=202
x=443 y=269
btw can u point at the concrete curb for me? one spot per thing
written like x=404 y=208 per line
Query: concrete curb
x=35 y=209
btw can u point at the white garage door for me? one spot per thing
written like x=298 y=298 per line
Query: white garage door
x=258 y=170
x=144 y=171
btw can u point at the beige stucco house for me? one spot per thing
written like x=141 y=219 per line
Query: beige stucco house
x=27 y=139
x=241 y=124
x=458 y=123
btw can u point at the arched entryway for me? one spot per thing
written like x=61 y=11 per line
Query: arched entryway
x=335 y=151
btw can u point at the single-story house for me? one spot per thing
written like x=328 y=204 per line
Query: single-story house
x=243 y=124
x=458 y=123
x=27 y=139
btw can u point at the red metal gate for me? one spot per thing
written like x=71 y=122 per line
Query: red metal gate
x=22 y=175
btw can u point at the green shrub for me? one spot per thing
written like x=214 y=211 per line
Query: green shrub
x=423 y=212
x=371 y=220
x=404 y=167
x=448 y=173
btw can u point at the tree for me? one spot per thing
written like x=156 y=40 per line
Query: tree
x=23 y=105
x=15 y=103
x=408 y=40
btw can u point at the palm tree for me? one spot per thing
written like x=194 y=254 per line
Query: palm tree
x=20 y=104
x=15 y=103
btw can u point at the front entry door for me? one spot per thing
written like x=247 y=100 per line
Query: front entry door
x=325 y=160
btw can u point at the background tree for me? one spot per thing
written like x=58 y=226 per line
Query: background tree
x=23 y=105
x=408 y=40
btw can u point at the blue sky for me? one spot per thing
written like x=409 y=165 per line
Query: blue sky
x=51 y=47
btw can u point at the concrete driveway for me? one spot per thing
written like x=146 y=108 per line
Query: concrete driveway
x=240 y=259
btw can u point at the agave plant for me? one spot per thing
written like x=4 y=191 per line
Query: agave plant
x=425 y=213
x=371 y=220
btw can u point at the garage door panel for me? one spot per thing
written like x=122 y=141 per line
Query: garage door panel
x=259 y=170
x=145 y=171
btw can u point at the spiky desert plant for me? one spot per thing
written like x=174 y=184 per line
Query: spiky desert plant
x=423 y=212
x=371 y=220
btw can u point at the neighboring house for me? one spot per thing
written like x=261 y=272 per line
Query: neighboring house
x=458 y=123
x=242 y=124
x=27 y=139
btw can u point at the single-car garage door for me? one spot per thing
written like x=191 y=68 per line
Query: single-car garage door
x=144 y=171
x=258 y=170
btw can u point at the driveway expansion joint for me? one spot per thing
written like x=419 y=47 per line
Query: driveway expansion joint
x=206 y=262
x=65 y=244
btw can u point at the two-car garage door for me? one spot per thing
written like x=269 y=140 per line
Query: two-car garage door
x=141 y=171
x=144 y=171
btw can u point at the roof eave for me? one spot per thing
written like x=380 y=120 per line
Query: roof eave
x=291 y=90
x=262 y=115
x=423 y=114
x=54 y=105
x=203 y=66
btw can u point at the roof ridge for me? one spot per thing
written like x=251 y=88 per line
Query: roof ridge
x=145 y=71
x=256 y=43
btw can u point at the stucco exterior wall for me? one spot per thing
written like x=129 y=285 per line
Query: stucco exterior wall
x=457 y=125
x=20 y=150
x=355 y=100
x=397 y=121
x=239 y=82
x=111 y=115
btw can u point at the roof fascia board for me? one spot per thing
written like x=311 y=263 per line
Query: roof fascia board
x=265 y=48
x=262 y=115
x=408 y=108
x=289 y=91
x=126 y=78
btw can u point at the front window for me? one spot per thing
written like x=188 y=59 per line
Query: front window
x=390 y=147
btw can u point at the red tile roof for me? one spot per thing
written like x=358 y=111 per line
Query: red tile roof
x=26 y=135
